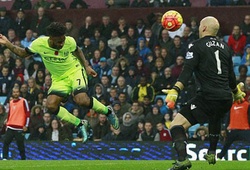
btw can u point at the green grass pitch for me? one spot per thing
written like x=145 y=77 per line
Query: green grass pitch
x=116 y=165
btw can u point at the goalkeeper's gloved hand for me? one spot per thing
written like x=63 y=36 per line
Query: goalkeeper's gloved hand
x=238 y=95
x=172 y=96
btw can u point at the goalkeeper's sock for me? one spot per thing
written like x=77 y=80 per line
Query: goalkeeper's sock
x=214 y=130
x=63 y=114
x=98 y=106
x=180 y=141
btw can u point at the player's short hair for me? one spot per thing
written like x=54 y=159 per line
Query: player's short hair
x=56 y=29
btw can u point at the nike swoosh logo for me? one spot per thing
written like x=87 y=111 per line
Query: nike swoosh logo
x=236 y=108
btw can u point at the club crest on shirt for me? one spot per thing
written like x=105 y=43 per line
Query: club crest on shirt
x=189 y=55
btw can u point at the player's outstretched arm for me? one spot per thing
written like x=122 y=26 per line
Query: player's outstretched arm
x=238 y=95
x=15 y=49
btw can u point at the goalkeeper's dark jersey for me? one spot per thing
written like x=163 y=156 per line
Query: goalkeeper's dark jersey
x=211 y=62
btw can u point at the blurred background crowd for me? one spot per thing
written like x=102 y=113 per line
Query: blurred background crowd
x=134 y=63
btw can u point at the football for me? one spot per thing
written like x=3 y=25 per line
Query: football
x=171 y=20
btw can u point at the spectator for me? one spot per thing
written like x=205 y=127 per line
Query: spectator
x=123 y=65
x=245 y=26
x=87 y=48
x=96 y=38
x=137 y=112
x=122 y=27
x=132 y=55
x=58 y=132
x=156 y=25
x=21 y=4
x=104 y=48
x=106 y=27
x=87 y=29
x=128 y=127
x=237 y=41
x=17 y=124
x=5 y=21
x=132 y=79
x=165 y=81
x=57 y=4
x=246 y=56
x=39 y=22
x=6 y=81
x=33 y=91
x=140 y=27
x=12 y=36
x=21 y=24
x=98 y=92
x=194 y=26
x=71 y=30
x=36 y=118
x=24 y=92
x=201 y=134
x=94 y=61
x=165 y=41
x=113 y=135
x=179 y=3
x=78 y=4
x=156 y=3
x=114 y=41
x=139 y=4
x=115 y=72
x=140 y=128
x=237 y=2
x=178 y=49
x=123 y=47
x=3 y=117
x=39 y=134
x=187 y=37
x=101 y=129
x=91 y=117
x=243 y=73
x=106 y=84
x=164 y=133
x=154 y=116
x=143 y=89
x=117 y=109
x=177 y=67
x=47 y=120
x=141 y=69
x=40 y=78
x=149 y=134
x=26 y=41
x=142 y=49
x=2 y=61
x=158 y=67
x=41 y=3
x=20 y=70
x=131 y=36
x=47 y=83
x=167 y=120
x=161 y=105
x=150 y=39
x=117 y=3
x=113 y=95
x=125 y=105
x=9 y=56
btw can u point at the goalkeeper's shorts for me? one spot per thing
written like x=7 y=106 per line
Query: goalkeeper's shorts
x=201 y=110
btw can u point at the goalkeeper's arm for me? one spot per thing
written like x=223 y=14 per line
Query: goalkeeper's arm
x=238 y=95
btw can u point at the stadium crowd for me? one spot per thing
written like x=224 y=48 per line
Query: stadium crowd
x=134 y=63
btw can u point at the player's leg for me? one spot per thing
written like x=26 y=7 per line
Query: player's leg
x=9 y=136
x=79 y=83
x=19 y=136
x=231 y=137
x=178 y=129
x=216 y=110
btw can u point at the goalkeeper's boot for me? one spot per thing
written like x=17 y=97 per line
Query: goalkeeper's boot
x=113 y=118
x=210 y=158
x=83 y=130
x=181 y=165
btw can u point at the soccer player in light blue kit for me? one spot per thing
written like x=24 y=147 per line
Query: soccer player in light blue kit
x=69 y=68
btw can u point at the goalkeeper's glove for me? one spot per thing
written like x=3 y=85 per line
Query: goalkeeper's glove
x=238 y=95
x=172 y=96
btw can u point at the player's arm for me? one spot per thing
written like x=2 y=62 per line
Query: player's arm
x=79 y=54
x=21 y=52
x=189 y=65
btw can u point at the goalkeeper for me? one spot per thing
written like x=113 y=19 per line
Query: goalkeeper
x=69 y=68
x=210 y=60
